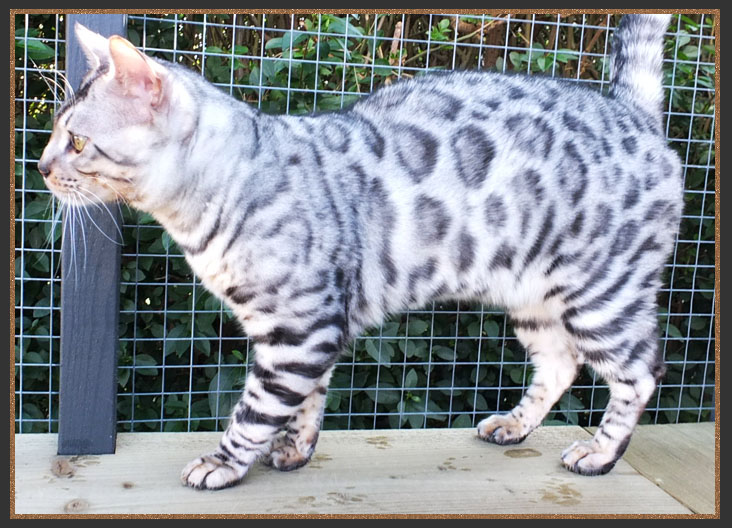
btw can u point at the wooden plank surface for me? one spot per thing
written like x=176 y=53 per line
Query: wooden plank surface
x=89 y=298
x=358 y=472
x=679 y=459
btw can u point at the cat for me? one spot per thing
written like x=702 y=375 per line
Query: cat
x=531 y=193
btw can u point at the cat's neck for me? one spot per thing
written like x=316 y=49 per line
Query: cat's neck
x=202 y=156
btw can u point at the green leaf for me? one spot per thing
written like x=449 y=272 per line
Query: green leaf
x=37 y=50
x=338 y=25
x=491 y=328
x=462 y=421
x=443 y=352
x=372 y=350
x=145 y=360
x=418 y=327
x=517 y=58
x=674 y=332
x=517 y=375
x=410 y=380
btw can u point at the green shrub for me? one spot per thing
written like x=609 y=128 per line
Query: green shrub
x=448 y=365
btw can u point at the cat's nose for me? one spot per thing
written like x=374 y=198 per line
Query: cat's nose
x=44 y=167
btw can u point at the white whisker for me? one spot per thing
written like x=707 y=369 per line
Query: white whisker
x=79 y=209
x=103 y=207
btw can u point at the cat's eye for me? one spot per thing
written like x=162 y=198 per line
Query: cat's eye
x=78 y=142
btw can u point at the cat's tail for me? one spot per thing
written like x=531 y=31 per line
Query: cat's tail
x=637 y=60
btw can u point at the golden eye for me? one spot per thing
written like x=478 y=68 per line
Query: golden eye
x=78 y=142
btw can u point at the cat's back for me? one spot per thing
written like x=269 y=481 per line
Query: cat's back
x=475 y=133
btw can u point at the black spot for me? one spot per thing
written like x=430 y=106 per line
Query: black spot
x=546 y=228
x=416 y=151
x=625 y=237
x=533 y=135
x=532 y=179
x=606 y=147
x=525 y=220
x=572 y=172
x=336 y=136
x=421 y=273
x=474 y=153
x=577 y=224
x=238 y=295
x=651 y=179
x=465 y=250
x=493 y=104
x=294 y=159
x=630 y=144
x=516 y=93
x=547 y=105
x=656 y=210
x=444 y=106
x=603 y=221
x=632 y=195
x=432 y=218
x=380 y=209
x=495 y=212
x=571 y=122
x=649 y=245
x=374 y=140
x=503 y=257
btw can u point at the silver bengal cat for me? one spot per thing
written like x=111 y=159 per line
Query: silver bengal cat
x=531 y=193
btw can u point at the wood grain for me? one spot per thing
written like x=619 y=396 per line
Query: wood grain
x=678 y=458
x=435 y=471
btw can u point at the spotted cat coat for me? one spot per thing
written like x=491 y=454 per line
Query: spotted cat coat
x=535 y=194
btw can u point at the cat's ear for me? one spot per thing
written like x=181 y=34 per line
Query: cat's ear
x=137 y=74
x=95 y=46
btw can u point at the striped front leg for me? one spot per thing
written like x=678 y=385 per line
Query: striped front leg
x=280 y=411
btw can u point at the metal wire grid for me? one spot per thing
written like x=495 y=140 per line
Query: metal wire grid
x=152 y=396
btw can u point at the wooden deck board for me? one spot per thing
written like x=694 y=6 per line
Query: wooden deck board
x=679 y=459
x=355 y=472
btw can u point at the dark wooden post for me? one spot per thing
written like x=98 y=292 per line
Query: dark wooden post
x=89 y=300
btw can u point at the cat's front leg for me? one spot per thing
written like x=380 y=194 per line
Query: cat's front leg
x=295 y=445
x=280 y=411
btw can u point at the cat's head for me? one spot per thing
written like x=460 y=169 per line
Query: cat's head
x=106 y=137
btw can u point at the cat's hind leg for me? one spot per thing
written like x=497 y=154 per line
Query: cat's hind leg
x=632 y=379
x=556 y=365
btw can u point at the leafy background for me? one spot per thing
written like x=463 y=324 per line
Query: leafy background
x=182 y=356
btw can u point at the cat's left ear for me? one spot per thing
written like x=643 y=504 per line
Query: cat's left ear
x=137 y=74
x=95 y=46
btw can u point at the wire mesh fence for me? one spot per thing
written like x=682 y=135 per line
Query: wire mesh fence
x=183 y=357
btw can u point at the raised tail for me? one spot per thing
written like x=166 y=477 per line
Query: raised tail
x=637 y=60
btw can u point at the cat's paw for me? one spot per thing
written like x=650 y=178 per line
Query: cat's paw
x=586 y=457
x=287 y=455
x=212 y=473
x=502 y=429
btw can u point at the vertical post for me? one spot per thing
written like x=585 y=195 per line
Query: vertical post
x=89 y=299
